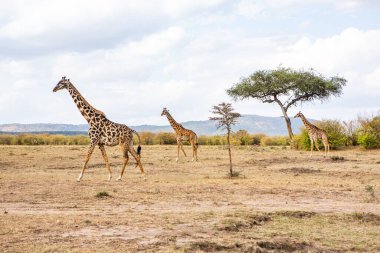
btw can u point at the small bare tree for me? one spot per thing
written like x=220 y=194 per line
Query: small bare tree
x=225 y=119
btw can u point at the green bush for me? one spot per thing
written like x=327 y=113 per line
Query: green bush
x=147 y=138
x=368 y=141
x=256 y=139
x=274 y=141
x=241 y=137
x=301 y=141
x=165 y=138
x=369 y=133
x=336 y=134
x=43 y=139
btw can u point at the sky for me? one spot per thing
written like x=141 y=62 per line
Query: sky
x=131 y=58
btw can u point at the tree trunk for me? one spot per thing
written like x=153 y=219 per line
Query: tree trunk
x=287 y=121
x=289 y=126
x=229 y=150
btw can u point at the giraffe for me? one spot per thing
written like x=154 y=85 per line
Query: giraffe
x=314 y=134
x=182 y=134
x=103 y=132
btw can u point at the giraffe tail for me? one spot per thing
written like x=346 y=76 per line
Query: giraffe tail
x=138 y=147
x=196 y=141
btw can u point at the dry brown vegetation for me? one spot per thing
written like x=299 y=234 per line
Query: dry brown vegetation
x=282 y=201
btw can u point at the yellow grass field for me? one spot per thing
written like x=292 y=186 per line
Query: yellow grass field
x=283 y=201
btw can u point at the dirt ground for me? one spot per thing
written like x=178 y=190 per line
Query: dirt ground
x=282 y=201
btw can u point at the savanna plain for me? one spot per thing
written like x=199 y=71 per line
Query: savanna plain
x=280 y=200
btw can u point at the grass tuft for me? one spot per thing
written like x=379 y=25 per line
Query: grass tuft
x=211 y=246
x=370 y=189
x=102 y=194
x=283 y=245
x=337 y=158
x=366 y=217
x=295 y=214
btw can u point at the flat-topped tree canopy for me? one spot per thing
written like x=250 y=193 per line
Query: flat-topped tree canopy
x=287 y=88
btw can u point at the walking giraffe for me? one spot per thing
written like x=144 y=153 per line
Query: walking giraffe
x=103 y=132
x=182 y=134
x=314 y=134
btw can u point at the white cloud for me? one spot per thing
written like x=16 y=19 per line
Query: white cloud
x=342 y=52
x=128 y=60
x=35 y=18
x=372 y=82
x=182 y=55
x=267 y=8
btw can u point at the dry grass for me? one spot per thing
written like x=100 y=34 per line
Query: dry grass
x=286 y=201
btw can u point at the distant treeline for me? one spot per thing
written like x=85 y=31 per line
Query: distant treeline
x=43 y=139
x=364 y=132
x=241 y=137
x=48 y=132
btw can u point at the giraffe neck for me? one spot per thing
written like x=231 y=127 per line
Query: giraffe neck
x=87 y=111
x=307 y=124
x=172 y=122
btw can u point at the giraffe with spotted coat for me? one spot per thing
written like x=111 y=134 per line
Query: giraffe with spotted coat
x=182 y=134
x=315 y=134
x=103 y=132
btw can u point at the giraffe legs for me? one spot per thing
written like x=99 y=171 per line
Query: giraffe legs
x=317 y=145
x=177 y=151
x=194 y=146
x=126 y=158
x=311 y=146
x=183 y=149
x=179 y=146
x=89 y=153
x=328 y=149
x=326 y=144
x=104 y=154
x=138 y=160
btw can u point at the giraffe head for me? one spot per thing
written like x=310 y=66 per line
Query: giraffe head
x=164 y=111
x=62 y=84
x=298 y=115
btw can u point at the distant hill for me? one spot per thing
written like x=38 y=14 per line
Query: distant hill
x=251 y=123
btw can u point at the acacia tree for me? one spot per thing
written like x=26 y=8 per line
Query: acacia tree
x=287 y=87
x=226 y=117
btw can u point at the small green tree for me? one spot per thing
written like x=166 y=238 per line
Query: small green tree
x=369 y=132
x=242 y=137
x=225 y=118
x=287 y=88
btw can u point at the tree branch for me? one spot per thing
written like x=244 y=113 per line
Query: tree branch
x=299 y=98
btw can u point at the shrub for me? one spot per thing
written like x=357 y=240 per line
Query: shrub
x=203 y=140
x=335 y=131
x=274 y=141
x=301 y=141
x=369 y=133
x=241 y=137
x=102 y=194
x=166 y=138
x=256 y=138
x=147 y=138
x=43 y=139
x=212 y=140
x=368 y=140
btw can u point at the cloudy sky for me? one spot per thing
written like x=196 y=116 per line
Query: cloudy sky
x=131 y=58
